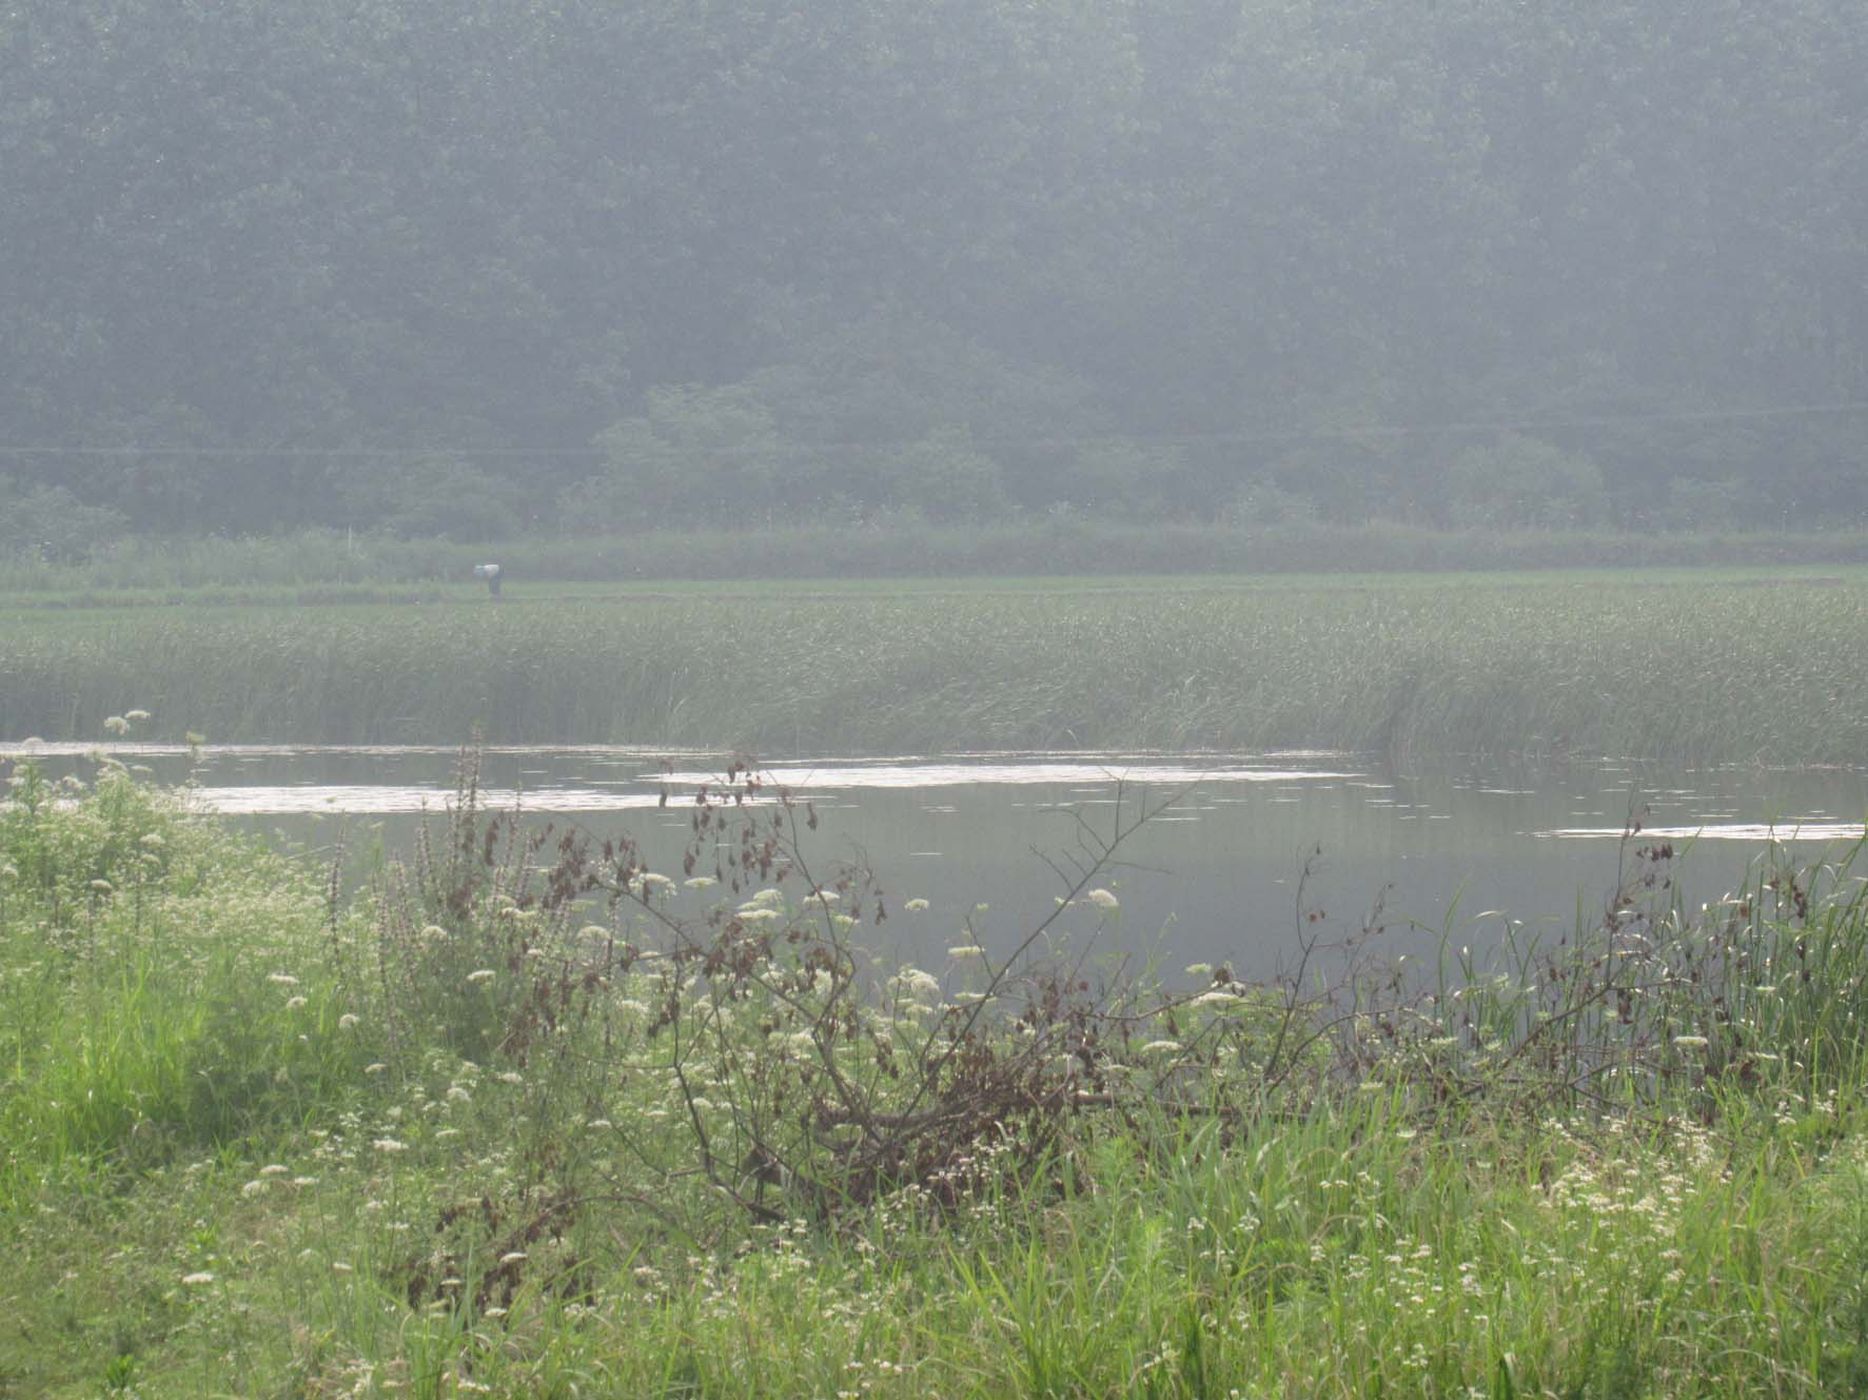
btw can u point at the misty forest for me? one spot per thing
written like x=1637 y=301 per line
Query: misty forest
x=977 y=698
x=487 y=267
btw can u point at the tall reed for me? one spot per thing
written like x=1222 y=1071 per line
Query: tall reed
x=1700 y=673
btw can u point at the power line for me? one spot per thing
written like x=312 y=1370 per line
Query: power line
x=1242 y=437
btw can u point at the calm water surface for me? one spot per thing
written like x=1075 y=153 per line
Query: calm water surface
x=1215 y=877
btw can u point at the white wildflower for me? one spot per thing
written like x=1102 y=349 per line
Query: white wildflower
x=916 y=906
x=1102 y=899
x=483 y=974
x=197 y=1279
x=389 y=1144
x=282 y=979
x=913 y=982
x=965 y=951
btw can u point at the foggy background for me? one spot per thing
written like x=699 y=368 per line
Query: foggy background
x=476 y=267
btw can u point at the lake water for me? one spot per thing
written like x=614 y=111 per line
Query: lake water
x=1214 y=878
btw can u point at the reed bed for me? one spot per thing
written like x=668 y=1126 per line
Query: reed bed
x=526 y=1118
x=1706 y=671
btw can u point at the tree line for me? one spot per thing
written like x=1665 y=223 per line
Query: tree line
x=475 y=266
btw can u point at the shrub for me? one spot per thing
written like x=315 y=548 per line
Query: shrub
x=1522 y=482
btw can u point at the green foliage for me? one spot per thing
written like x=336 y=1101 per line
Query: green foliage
x=1261 y=501
x=117 y=838
x=435 y=495
x=695 y=454
x=246 y=247
x=703 y=1143
x=149 y=1002
x=50 y=523
x=1125 y=479
x=1520 y=482
x=943 y=478
x=1709 y=505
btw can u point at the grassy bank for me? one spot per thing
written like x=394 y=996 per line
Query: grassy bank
x=525 y=1119
x=327 y=565
x=1689 y=667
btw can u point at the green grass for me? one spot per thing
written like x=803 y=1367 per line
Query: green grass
x=453 y=1136
x=1681 y=666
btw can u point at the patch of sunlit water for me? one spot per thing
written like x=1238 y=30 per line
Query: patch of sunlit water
x=958 y=774
x=1753 y=832
x=373 y=800
x=644 y=787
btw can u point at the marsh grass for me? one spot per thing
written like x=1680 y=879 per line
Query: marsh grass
x=328 y=564
x=1719 y=671
x=525 y=1117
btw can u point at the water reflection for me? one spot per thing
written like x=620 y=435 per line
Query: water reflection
x=1214 y=878
x=1752 y=833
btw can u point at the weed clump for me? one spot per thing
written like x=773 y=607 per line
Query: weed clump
x=524 y=1110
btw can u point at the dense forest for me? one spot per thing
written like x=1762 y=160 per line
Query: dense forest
x=474 y=267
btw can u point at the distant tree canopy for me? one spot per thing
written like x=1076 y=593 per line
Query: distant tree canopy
x=470 y=266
